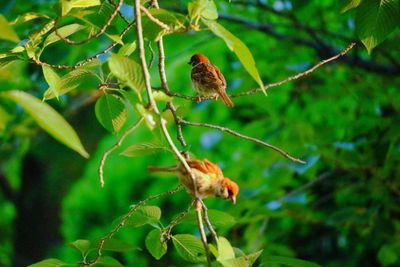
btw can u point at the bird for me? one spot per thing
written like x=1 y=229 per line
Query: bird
x=209 y=179
x=207 y=79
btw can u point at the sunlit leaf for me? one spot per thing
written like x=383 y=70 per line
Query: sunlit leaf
x=64 y=31
x=6 y=31
x=189 y=247
x=127 y=71
x=238 y=47
x=27 y=17
x=154 y=245
x=375 y=19
x=152 y=31
x=67 y=5
x=127 y=49
x=52 y=79
x=82 y=245
x=48 y=119
x=202 y=8
x=225 y=250
x=111 y=112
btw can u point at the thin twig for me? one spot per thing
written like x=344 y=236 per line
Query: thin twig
x=87 y=60
x=122 y=222
x=154 y=19
x=97 y=34
x=268 y=86
x=245 y=137
x=202 y=232
x=118 y=144
x=299 y=75
x=178 y=123
x=208 y=222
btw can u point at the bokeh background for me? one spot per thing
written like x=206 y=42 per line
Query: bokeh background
x=340 y=209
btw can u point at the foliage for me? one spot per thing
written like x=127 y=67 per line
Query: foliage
x=339 y=209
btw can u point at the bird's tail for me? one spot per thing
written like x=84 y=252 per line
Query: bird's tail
x=228 y=102
x=162 y=169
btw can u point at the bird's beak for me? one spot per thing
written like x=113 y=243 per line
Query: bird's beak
x=233 y=198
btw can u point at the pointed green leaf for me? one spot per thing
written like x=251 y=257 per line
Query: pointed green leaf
x=287 y=261
x=240 y=49
x=225 y=250
x=49 y=263
x=64 y=31
x=138 y=150
x=111 y=112
x=154 y=245
x=375 y=20
x=349 y=4
x=82 y=245
x=6 y=31
x=27 y=17
x=67 y=5
x=49 y=120
x=144 y=215
x=127 y=71
x=52 y=79
x=189 y=247
x=127 y=49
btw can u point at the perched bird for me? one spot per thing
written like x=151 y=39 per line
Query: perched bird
x=207 y=79
x=208 y=177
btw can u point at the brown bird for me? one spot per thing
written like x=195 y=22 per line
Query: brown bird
x=209 y=179
x=207 y=79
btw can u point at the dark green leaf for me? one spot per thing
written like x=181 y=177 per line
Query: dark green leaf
x=117 y=246
x=388 y=254
x=111 y=112
x=154 y=245
x=107 y=261
x=48 y=119
x=237 y=46
x=189 y=247
x=375 y=19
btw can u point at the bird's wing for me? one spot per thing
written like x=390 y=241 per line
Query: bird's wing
x=206 y=73
x=220 y=76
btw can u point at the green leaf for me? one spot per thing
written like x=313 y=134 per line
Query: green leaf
x=242 y=261
x=111 y=112
x=189 y=247
x=154 y=245
x=240 y=49
x=202 y=8
x=117 y=246
x=144 y=215
x=289 y=261
x=6 y=31
x=49 y=120
x=142 y=149
x=64 y=31
x=127 y=49
x=68 y=82
x=153 y=31
x=82 y=245
x=4 y=118
x=127 y=71
x=67 y=5
x=52 y=79
x=349 y=4
x=161 y=96
x=27 y=17
x=375 y=19
x=49 y=263
x=225 y=250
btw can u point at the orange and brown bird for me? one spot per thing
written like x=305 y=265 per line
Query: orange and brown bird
x=209 y=179
x=207 y=79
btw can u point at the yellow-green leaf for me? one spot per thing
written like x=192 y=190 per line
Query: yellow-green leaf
x=6 y=31
x=127 y=71
x=48 y=119
x=67 y=5
x=240 y=49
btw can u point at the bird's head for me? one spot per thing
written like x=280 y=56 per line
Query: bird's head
x=228 y=190
x=198 y=58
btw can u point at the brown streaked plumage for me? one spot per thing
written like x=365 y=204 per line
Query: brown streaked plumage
x=209 y=179
x=207 y=79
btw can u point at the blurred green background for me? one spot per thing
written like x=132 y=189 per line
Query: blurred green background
x=340 y=209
